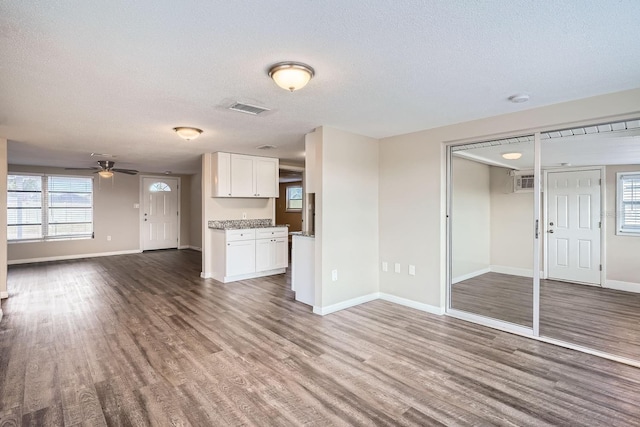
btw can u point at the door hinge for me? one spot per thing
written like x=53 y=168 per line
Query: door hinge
x=600 y=267
x=600 y=224
x=600 y=181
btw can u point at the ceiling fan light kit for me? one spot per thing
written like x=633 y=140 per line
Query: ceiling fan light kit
x=105 y=174
x=187 y=133
x=291 y=75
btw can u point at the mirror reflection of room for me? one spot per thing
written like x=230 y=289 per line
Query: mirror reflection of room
x=491 y=232
x=589 y=235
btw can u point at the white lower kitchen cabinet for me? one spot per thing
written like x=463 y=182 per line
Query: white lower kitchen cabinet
x=241 y=258
x=248 y=253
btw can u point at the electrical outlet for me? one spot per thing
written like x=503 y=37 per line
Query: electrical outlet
x=412 y=270
x=385 y=266
x=334 y=275
x=136 y=206
x=108 y=238
x=244 y=215
x=397 y=267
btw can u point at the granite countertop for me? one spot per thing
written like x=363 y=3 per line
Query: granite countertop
x=301 y=234
x=240 y=224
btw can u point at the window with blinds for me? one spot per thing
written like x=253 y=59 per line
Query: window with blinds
x=49 y=207
x=628 y=218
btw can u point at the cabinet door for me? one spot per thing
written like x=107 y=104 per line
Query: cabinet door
x=264 y=254
x=241 y=257
x=281 y=252
x=242 y=176
x=266 y=173
x=221 y=174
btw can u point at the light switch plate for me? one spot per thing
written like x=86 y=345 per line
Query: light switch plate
x=385 y=266
x=397 y=267
x=412 y=270
x=334 y=275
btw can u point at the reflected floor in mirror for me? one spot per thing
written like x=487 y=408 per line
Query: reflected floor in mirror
x=602 y=319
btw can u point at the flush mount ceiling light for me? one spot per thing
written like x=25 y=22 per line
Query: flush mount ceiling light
x=511 y=156
x=291 y=75
x=187 y=132
x=105 y=174
x=519 y=98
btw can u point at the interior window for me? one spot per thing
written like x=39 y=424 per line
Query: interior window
x=159 y=186
x=628 y=218
x=42 y=207
x=294 y=198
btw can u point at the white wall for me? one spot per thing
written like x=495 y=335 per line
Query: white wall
x=623 y=252
x=511 y=225
x=471 y=219
x=195 y=231
x=412 y=185
x=346 y=217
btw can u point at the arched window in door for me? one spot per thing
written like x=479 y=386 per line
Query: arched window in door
x=159 y=186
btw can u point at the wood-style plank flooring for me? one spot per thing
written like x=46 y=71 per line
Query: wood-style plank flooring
x=142 y=340
x=603 y=319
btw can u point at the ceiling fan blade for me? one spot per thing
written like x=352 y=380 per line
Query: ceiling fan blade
x=127 y=171
x=81 y=169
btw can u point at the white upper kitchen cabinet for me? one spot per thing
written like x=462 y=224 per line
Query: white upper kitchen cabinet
x=237 y=175
x=221 y=174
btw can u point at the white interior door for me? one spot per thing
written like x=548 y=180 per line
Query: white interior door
x=573 y=226
x=160 y=213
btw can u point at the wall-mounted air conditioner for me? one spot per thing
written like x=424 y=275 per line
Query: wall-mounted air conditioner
x=523 y=181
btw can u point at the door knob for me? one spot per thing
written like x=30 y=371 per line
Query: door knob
x=551 y=231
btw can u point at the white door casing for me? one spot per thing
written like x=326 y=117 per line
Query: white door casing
x=573 y=226
x=160 y=213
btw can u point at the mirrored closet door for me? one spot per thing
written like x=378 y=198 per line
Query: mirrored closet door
x=590 y=292
x=491 y=217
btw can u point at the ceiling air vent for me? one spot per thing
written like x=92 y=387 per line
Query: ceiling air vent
x=266 y=147
x=247 y=108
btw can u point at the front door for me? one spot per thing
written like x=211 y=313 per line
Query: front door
x=573 y=226
x=160 y=213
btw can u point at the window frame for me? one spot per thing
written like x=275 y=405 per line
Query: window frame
x=287 y=205
x=620 y=217
x=44 y=206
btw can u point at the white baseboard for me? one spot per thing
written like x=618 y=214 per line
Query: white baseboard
x=67 y=257
x=470 y=275
x=195 y=248
x=374 y=296
x=623 y=286
x=0 y=314
x=345 y=304
x=205 y=276
x=4 y=295
x=514 y=271
x=412 y=304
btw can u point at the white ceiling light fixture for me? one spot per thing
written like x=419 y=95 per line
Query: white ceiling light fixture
x=187 y=133
x=519 y=98
x=291 y=75
x=511 y=156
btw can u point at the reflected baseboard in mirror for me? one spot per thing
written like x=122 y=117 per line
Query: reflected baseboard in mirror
x=590 y=316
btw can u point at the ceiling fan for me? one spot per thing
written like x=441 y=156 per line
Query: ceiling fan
x=106 y=169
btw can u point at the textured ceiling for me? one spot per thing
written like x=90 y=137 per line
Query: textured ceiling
x=115 y=77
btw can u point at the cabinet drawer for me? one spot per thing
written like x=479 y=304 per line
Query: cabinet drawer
x=243 y=234
x=266 y=233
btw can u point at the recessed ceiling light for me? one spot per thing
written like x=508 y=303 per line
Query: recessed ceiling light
x=519 y=98
x=187 y=133
x=512 y=156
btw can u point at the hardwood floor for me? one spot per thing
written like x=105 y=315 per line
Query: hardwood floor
x=603 y=319
x=142 y=340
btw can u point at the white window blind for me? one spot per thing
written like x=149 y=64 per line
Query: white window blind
x=49 y=207
x=628 y=203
